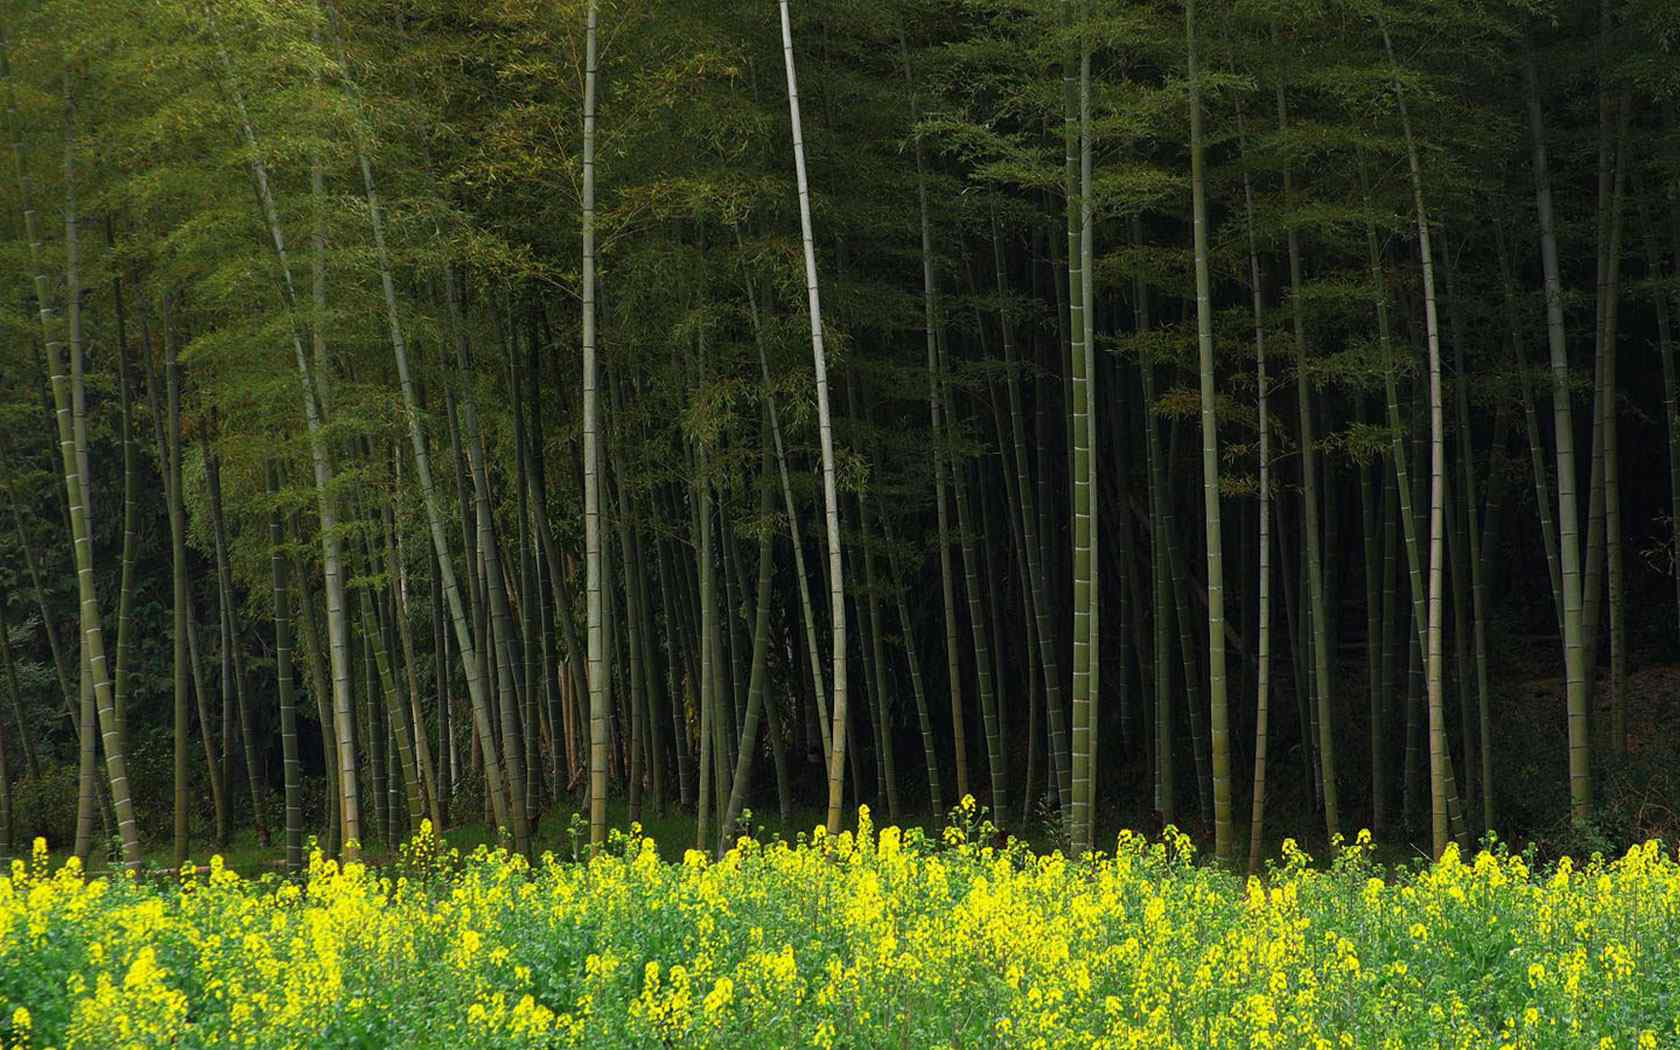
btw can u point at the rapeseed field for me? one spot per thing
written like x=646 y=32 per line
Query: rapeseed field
x=882 y=938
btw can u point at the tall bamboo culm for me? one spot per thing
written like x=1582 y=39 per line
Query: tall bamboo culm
x=825 y=430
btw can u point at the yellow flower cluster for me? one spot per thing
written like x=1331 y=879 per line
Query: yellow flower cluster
x=857 y=940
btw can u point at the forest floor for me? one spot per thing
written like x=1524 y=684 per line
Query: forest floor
x=563 y=831
x=1638 y=795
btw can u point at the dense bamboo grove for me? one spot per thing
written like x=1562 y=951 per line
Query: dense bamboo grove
x=1130 y=414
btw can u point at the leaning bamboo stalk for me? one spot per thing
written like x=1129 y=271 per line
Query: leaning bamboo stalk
x=825 y=431
x=1320 y=640
x=748 y=745
x=1257 y=820
x=1575 y=681
x=131 y=499
x=807 y=614
x=332 y=557
x=1474 y=549
x=930 y=748
x=1433 y=657
x=931 y=326
x=397 y=582
x=68 y=403
x=373 y=631
x=224 y=572
x=967 y=528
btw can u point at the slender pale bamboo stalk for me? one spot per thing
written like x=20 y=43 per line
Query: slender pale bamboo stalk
x=403 y=713
x=396 y=576
x=1409 y=492
x=318 y=228
x=658 y=743
x=1310 y=512
x=1173 y=548
x=79 y=718
x=930 y=747
x=1165 y=772
x=968 y=529
x=1414 y=728
x=87 y=765
x=1219 y=724
x=500 y=636
x=1263 y=670
x=1616 y=570
x=1609 y=265
x=371 y=727
x=207 y=735
x=293 y=768
x=636 y=626
x=131 y=498
x=674 y=680
x=1433 y=658
x=338 y=623
x=1086 y=829
x=575 y=653
x=373 y=630
x=733 y=667
x=825 y=431
x=222 y=769
x=1047 y=410
x=748 y=745
x=931 y=326
x=995 y=607
x=875 y=652
x=1368 y=500
x=709 y=756
x=448 y=773
x=318 y=687
x=224 y=572
x=549 y=585
x=530 y=671
x=1474 y=550
x=801 y=576
x=1458 y=583
x=596 y=639
x=1074 y=810
x=1575 y=681
x=1390 y=620
x=1013 y=475
x=1038 y=599
x=68 y=399
x=619 y=742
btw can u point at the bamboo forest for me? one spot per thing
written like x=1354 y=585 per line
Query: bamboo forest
x=939 y=523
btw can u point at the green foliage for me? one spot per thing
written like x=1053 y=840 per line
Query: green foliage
x=45 y=806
